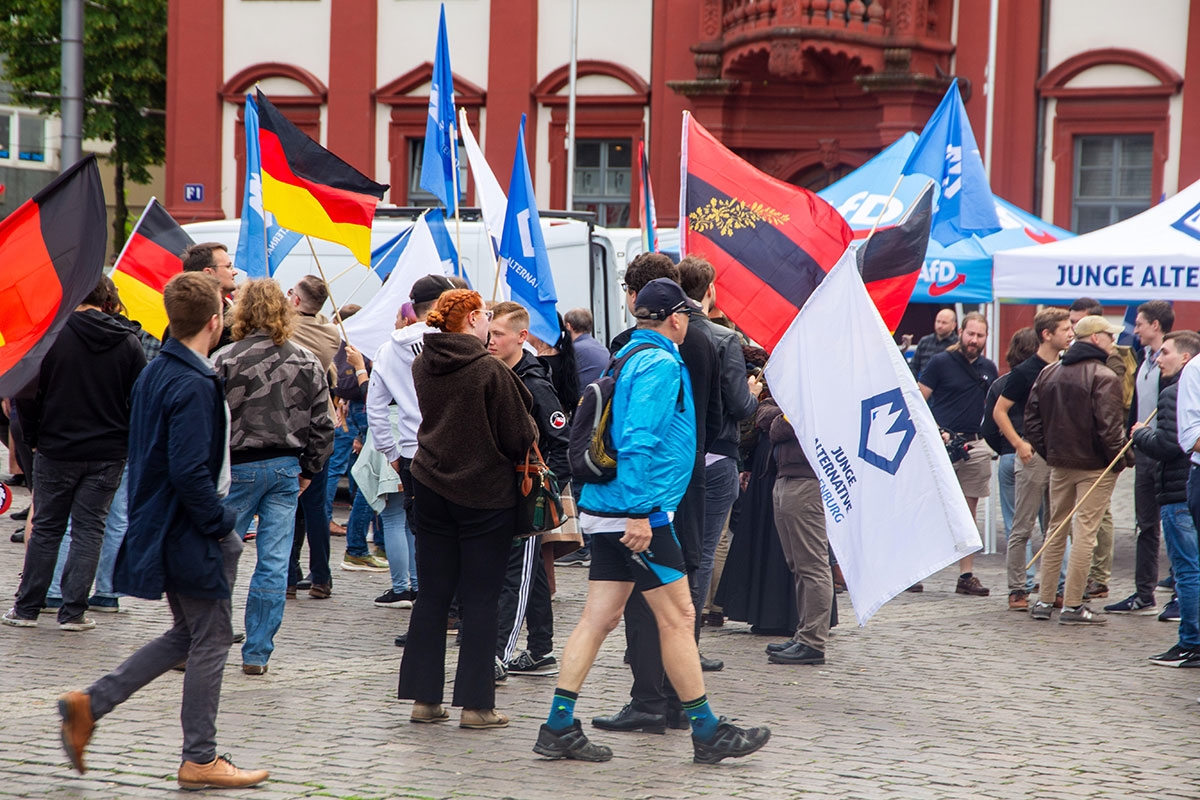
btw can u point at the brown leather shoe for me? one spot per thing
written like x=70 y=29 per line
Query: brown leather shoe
x=916 y=588
x=972 y=586
x=1058 y=601
x=1094 y=591
x=290 y=593
x=1018 y=601
x=255 y=669
x=429 y=712
x=220 y=774
x=481 y=719
x=321 y=591
x=75 y=708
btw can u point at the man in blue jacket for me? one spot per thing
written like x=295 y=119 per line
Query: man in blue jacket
x=180 y=538
x=633 y=544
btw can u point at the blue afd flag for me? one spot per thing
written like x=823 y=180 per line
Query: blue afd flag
x=439 y=167
x=946 y=152
x=385 y=257
x=523 y=251
x=262 y=245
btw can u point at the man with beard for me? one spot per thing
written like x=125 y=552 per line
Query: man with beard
x=955 y=383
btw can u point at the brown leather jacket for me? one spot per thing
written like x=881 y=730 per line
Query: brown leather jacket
x=1074 y=417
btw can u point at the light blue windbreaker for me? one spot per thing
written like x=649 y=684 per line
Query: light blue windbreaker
x=654 y=430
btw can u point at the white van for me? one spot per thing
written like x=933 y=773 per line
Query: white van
x=584 y=264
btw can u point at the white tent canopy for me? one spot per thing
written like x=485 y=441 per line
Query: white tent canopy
x=1153 y=256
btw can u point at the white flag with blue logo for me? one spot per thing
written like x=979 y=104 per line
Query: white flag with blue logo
x=262 y=245
x=893 y=508
x=412 y=255
x=946 y=151
x=523 y=251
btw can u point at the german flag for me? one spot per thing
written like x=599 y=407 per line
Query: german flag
x=51 y=257
x=151 y=257
x=891 y=259
x=770 y=243
x=312 y=191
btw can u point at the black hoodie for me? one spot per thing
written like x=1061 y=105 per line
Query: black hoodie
x=475 y=422
x=547 y=413
x=81 y=410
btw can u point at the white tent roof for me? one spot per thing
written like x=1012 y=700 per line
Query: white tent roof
x=1153 y=256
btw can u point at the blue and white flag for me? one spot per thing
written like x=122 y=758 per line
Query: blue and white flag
x=523 y=251
x=439 y=167
x=262 y=245
x=385 y=257
x=488 y=194
x=894 y=511
x=946 y=151
x=411 y=255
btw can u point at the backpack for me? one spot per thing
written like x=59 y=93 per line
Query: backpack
x=591 y=454
x=1125 y=355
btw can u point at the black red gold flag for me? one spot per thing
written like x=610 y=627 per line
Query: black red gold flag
x=51 y=257
x=152 y=256
x=312 y=191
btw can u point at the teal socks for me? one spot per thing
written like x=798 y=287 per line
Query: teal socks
x=704 y=721
x=562 y=710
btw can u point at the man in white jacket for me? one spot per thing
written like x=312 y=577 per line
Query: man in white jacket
x=392 y=383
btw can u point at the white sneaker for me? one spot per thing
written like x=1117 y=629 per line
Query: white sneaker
x=10 y=618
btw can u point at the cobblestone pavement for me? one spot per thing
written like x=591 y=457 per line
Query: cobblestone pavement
x=941 y=696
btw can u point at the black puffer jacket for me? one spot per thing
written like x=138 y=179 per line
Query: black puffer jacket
x=1159 y=442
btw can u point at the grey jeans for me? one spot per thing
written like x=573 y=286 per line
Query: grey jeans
x=79 y=491
x=800 y=521
x=202 y=635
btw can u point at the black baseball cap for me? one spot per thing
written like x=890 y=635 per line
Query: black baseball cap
x=429 y=288
x=662 y=297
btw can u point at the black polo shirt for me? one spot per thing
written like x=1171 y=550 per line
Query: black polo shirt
x=1017 y=388
x=959 y=390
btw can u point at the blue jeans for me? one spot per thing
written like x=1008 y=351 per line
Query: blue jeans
x=720 y=490
x=1008 y=490
x=361 y=518
x=1183 y=547
x=269 y=489
x=342 y=457
x=401 y=545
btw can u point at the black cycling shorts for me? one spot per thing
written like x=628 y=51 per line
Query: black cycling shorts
x=656 y=566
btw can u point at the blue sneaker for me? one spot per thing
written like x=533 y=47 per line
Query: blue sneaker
x=108 y=605
x=1170 y=612
x=1133 y=605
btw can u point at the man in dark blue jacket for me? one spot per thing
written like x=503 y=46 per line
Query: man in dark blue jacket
x=180 y=538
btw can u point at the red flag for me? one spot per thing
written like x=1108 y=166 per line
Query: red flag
x=51 y=257
x=770 y=243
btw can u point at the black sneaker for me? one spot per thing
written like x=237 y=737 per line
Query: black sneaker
x=525 y=663
x=570 y=743
x=500 y=672
x=394 y=599
x=580 y=558
x=730 y=742
x=1175 y=657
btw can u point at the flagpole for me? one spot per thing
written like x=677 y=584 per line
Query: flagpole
x=457 y=230
x=328 y=288
x=1099 y=478
x=496 y=285
x=886 y=206
x=572 y=81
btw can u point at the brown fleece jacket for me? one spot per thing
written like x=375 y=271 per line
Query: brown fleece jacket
x=475 y=422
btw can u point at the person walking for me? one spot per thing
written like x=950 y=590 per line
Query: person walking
x=180 y=540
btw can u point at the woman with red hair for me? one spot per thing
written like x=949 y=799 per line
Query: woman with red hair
x=475 y=426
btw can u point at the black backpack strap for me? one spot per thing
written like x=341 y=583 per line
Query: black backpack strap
x=616 y=364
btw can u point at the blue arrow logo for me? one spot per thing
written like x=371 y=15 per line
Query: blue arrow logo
x=887 y=431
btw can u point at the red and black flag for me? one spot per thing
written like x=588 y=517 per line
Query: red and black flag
x=51 y=258
x=312 y=191
x=890 y=260
x=770 y=243
x=152 y=256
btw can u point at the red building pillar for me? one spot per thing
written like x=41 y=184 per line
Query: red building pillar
x=195 y=53
x=512 y=74
x=353 y=34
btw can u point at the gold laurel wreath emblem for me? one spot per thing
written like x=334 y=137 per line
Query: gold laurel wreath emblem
x=727 y=216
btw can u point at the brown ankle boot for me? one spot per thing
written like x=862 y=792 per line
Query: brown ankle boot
x=75 y=708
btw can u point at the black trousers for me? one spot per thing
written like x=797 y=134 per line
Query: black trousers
x=1149 y=529
x=312 y=521
x=465 y=551
x=525 y=598
x=651 y=691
